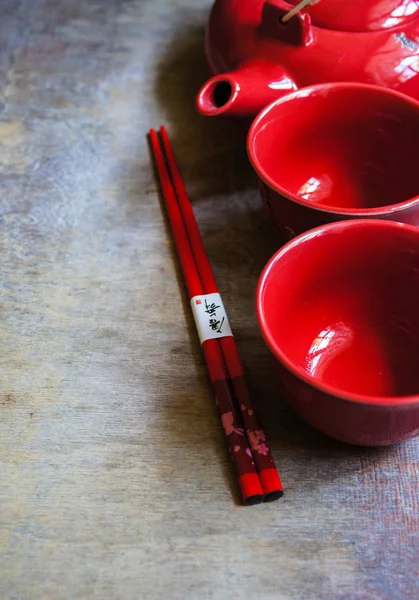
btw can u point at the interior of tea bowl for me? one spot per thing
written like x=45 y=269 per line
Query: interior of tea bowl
x=338 y=309
x=347 y=148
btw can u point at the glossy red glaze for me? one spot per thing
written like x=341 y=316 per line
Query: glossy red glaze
x=256 y=58
x=337 y=151
x=338 y=309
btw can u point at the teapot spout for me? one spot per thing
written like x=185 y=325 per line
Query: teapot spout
x=244 y=92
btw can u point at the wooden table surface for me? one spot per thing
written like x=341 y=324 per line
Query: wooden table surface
x=115 y=482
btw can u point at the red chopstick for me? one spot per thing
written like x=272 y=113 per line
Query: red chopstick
x=249 y=482
x=271 y=483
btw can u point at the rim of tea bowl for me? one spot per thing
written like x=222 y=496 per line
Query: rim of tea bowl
x=326 y=88
x=277 y=349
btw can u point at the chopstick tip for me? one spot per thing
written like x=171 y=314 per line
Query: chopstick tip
x=253 y=500
x=271 y=484
x=272 y=496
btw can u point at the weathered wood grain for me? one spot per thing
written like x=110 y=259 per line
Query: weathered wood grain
x=114 y=482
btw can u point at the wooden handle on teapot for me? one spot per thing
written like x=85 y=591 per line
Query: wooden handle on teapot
x=297 y=32
x=297 y=9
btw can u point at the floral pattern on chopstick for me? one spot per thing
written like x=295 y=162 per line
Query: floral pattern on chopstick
x=227 y=420
x=257 y=441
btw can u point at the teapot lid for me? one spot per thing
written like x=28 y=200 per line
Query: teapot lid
x=361 y=15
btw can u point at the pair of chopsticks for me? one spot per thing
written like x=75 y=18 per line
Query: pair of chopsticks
x=258 y=478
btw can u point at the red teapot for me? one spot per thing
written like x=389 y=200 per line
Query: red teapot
x=256 y=57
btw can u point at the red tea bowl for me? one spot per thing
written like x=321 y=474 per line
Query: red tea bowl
x=338 y=309
x=337 y=151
